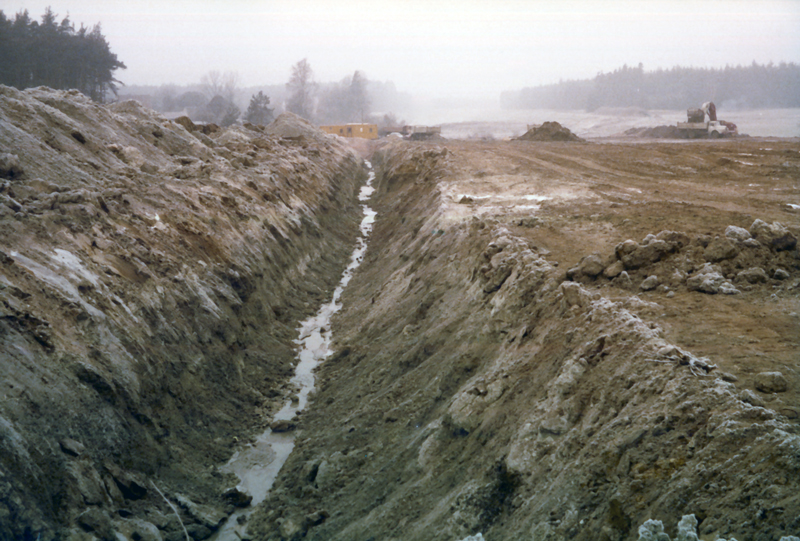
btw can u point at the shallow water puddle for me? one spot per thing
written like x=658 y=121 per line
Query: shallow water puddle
x=258 y=464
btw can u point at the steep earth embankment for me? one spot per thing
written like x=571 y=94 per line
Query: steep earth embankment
x=151 y=279
x=479 y=386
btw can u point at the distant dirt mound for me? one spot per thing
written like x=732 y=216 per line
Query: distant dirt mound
x=549 y=131
x=291 y=126
x=659 y=132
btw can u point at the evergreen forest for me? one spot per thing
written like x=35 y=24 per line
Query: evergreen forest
x=55 y=54
x=745 y=87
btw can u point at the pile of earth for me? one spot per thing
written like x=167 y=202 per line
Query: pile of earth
x=549 y=131
x=657 y=132
x=151 y=281
x=763 y=256
x=291 y=126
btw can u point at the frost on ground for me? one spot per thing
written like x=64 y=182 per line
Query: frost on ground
x=479 y=382
x=653 y=530
x=624 y=350
x=151 y=279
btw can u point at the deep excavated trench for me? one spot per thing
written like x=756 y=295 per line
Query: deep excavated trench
x=258 y=464
x=475 y=389
x=151 y=281
x=474 y=385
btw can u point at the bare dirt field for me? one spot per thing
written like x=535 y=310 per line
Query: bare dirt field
x=602 y=194
x=603 y=123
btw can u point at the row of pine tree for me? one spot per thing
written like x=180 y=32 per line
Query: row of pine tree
x=55 y=54
x=754 y=87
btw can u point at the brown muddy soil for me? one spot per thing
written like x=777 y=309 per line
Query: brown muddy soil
x=545 y=340
x=561 y=341
x=151 y=280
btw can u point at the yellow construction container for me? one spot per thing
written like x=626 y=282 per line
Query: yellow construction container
x=364 y=131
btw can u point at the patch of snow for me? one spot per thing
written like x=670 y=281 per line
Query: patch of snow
x=57 y=279
x=504 y=197
x=73 y=264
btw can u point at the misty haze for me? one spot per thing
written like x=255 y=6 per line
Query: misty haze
x=399 y=270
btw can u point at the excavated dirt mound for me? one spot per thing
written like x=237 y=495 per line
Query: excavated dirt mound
x=151 y=280
x=658 y=132
x=531 y=372
x=291 y=126
x=549 y=131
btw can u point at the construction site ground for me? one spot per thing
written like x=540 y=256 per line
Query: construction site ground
x=545 y=340
x=604 y=193
x=451 y=365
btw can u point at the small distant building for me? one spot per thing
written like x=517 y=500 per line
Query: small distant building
x=364 y=131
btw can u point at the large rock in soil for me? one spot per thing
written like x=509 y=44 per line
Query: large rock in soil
x=771 y=382
x=641 y=256
x=720 y=249
x=774 y=235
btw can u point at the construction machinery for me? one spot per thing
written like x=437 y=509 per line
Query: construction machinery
x=698 y=126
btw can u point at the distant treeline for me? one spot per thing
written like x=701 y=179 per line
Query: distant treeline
x=56 y=55
x=353 y=99
x=752 y=87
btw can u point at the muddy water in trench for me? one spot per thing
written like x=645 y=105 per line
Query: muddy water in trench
x=258 y=464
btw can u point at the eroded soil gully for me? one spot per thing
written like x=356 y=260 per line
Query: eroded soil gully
x=259 y=463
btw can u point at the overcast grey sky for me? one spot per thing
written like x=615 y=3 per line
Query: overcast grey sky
x=443 y=47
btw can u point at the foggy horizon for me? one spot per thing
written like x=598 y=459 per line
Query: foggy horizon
x=461 y=49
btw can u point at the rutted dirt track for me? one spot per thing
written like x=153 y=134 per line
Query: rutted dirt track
x=545 y=340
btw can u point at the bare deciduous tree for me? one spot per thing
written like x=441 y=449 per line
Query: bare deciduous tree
x=216 y=83
x=301 y=89
x=359 y=100
x=346 y=101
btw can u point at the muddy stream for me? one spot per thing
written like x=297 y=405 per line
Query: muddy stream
x=258 y=464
